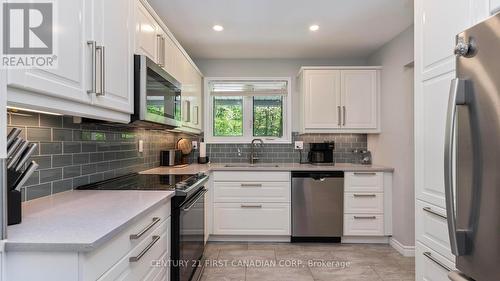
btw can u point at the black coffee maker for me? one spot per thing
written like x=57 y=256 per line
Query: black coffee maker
x=321 y=153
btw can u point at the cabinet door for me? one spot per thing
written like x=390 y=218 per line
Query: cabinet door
x=322 y=99
x=113 y=30
x=359 y=97
x=69 y=80
x=170 y=54
x=430 y=266
x=146 y=30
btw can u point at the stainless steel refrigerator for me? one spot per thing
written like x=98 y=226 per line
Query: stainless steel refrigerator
x=472 y=154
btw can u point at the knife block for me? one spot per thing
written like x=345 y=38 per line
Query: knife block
x=14 y=214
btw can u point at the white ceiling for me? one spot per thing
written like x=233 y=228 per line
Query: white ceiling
x=279 y=28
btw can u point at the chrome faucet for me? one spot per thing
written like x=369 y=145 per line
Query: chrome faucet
x=254 y=144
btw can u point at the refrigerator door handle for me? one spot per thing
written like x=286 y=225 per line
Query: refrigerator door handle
x=457 y=97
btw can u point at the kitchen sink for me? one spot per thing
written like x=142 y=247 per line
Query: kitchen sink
x=244 y=165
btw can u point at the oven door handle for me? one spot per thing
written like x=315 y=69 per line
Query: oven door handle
x=194 y=200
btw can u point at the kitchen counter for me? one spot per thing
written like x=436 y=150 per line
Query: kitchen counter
x=79 y=220
x=198 y=168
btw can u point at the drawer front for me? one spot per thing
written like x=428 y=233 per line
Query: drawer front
x=371 y=203
x=251 y=219
x=237 y=176
x=432 y=228
x=430 y=266
x=251 y=192
x=100 y=260
x=155 y=247
x=364 y=181
x=363 y=225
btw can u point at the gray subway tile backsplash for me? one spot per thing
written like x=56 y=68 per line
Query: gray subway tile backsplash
x=285 y=153
x=72 y=154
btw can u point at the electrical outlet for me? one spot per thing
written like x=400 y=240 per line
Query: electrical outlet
x=194 y=144
x=141 y=146
x=299 y=145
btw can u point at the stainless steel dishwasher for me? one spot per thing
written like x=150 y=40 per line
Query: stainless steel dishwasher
x=317 y=206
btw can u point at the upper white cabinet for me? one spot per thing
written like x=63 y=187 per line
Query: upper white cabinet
x=321 y=95
x=70 y=80
x=146 y=33
x=74 y=87
x=339 y=100
x=112 y=30
x=359 y=96
x=155 y=41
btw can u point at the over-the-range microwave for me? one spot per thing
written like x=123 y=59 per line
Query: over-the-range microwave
x=157 y=95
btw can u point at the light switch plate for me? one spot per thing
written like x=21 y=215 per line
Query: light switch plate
x=299 y=145
x=141 y=146
x=194 y=144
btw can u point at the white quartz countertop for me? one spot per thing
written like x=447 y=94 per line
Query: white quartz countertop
x=197 y=168
x=79 y=220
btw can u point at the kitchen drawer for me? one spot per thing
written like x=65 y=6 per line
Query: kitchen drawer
x=431 y=266
x=96 y=262
x=251 y=218
x=362 y=202
x=363 y=225
x=155 y=246
x=364 y=181
x=251 y=192
x=237 y=176
x=432 y=228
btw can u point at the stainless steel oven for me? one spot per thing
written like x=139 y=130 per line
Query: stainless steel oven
x=157 y=95
x=191 y=237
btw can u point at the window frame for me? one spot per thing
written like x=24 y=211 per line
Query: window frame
x=247 y=113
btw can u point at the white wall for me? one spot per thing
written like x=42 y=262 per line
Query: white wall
x=268 y=68
x=394 y=146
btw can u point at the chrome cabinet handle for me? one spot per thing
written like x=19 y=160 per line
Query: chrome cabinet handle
x=93 y=65
x=193 y=201
x=145 y=250
x=365 y=195
x=365 y=174
x=436 y=261
x=251 y=185
x=431 y=211
x=365 y=217
x=339 y=116
x=343 y=116
x=457 y=97
x=160 y=47
x=251 y=206
x=102 y=59
x=148 y=227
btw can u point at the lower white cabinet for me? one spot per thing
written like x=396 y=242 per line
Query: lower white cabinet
x=129 y=255
x=431 y=266
x=251 y=219
x=367 y=204
x=251 y=203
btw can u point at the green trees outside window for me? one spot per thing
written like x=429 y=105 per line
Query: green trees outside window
x=228 y=116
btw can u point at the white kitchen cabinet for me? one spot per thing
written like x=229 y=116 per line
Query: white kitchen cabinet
x=70 y=80
x=146 y=32
x=113 y=30
x=251 y=205
x=339 y=99
x=430 y=266
x=321 y=94
x=367 y=204
x=359 y=96
x=68 y=89
x=109 y=261
x=435 y=31
x=251 y=219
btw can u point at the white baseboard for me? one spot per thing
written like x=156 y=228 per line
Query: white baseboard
x=365 y=239
x=407 y=251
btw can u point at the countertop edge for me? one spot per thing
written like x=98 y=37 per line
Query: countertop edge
x=79 y=247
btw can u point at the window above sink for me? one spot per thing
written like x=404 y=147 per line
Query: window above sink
x=241 y=109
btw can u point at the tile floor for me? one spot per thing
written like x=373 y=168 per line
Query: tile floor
x=305 y=262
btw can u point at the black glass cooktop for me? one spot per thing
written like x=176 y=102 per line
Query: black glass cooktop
x=146 y=182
